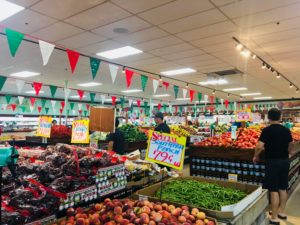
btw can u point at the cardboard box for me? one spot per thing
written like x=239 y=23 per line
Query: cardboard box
x=227 y=212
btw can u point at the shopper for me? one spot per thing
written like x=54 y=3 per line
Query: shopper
x=276 y=141
x=54 y=122
x=116 y=140
x=161 y=126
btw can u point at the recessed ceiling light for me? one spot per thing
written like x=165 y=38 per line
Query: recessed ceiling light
x=25 y=74
x=179 y=71
x=90 y=84
x=33 y=92
x=261 y=98
x=161 y=96
x=251 y=94
x=182 y=99
x=119 y=52
x=236 y=89
x=132 y=91
x=77 y=96
x=214 y=82
x=8 y=9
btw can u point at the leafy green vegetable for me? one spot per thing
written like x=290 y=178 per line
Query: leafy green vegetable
x=200 y=194
x=132 y=133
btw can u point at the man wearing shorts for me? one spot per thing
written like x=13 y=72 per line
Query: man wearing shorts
x=276 y=141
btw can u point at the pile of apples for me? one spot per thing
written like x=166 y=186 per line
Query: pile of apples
x=224 y=140
x=130 y=212
x=247 y=138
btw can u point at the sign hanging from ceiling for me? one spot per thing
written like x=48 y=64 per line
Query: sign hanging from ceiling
x=80 y=132
x=44 y=127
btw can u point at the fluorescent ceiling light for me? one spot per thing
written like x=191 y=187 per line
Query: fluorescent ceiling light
x=77 y=96
x=251 y=94
x=33 y=92
x=119 y=52
x=182 y=99
x=261 y=98
x=90 y=84
x=236 y=89
x=132 y=91
x=179 y=71
x=8 y=9
x=162 y=95
x=24 y=74
x=214 y=82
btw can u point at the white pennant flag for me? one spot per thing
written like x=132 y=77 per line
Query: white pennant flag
x=170 y=108
x=4 y=106
x=113 y=72
x=46 y=51
x=102 y=99
x=20 y=84
x=184 y=92
x=222 y=102
x=234 y=106
x=205 y=99
x=155 y=85
x=53 y=103
x=130 y=101
x=79 y=106
x=73 y=112
x=67 y=93
x=31 y=108
x=20 y=98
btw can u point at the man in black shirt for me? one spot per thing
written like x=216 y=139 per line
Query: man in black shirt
x=161 y=126
x=117 y=138
x=276 y=141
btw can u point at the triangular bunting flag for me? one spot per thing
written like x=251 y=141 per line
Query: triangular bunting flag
x=63 y=104
x=13 y=107
x=159 y=106
x=94 y=63
x=192 y=92
x=144 y=80
x=67 y=93
x=113 y=71
x=37 y=87
x=8 y=98
x=73 y=59
x=222 y=102
x=122 y=102
x=23 y=108
x=73 y=112
x=52 y=90
x=102 y=99
x=205 y=99
x=128 y=74
x=61 y=111
x=92 y=97
x=165 y=108
x=184 y=92
x=79 y=106
x=166 y=84
x=46 y=51
x=20 y=99
x=39 y=109
x=31 y=108
x=155 y=85
x=199 y=97
x=138 y=102
x=2 y=81
x=79 y=111
x=113 y=100
x=14 y=39
x=80 y=94
x=44 y=101
x=32 y=100
x=85 y=113
x=46 y=110
x=72 y=104
x=87 y=106
x=176 y=89
x=20 y=84
x=130 y=101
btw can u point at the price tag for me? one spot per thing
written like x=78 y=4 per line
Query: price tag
x=44 y=127
x=244 y=115
x=232 y=177
x=94 y=143
x=166 y=149
x=80 y=132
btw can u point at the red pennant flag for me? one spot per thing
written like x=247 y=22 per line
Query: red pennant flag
x=138 y=102
x=192 y=92
x=212 y=99
x=129 y=75
x=80 y=94
x=13 y=107
x=32 y=100
x=113 y=100
x=80 y=112
x=62 y=103
x=61 y=111
x=37 y=87
x=87 y=106
x=141 y=111
x=159 y=106
x=226 y=103
x=166 y=84
x=73 y=59
x=39 y=109
x=176 y=109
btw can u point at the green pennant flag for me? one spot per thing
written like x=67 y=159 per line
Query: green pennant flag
x=195 y=109
x=68 y=112
x=2 y=81
x=165 y=108
x=47 y=110
x=52 y=90
x=146 y=107
x=180 y=109
x=122 y=102
x=14 y=39
x=176 y=89
x=44 y=101
x=199 y=97
x=72 y=104
x=8 y=98
x=85 y=113
x=217 y=101
x=92 y=96
x=94 y=63
x=144 y=80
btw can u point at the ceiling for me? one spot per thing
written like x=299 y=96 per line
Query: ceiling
x=171 y=33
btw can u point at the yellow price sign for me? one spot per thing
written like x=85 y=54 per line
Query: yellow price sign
x=243 y=115
x=44 y=127
x=80 y=132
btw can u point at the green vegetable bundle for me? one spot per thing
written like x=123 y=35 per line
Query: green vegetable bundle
x=132 y=133
x=200 y=194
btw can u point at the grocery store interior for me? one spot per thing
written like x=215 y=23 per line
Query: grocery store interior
x=146 y=111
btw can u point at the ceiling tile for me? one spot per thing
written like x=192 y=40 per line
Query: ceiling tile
x=133 y=58
x=199 y=58
x=149 y=61
x=204 y=63
x=218 y=39
x=24 y=3
x=175 y=10
x=35 y=21
x=163 y=66
x=211 y=30
x=101 y=46
x=158 y=43
x=63 y=9
x=283 y=35
x=183 y=54
x=98 y=16
x=222 y=2
x=132 y=24
x=57 y=31
x=136 y=6
x=219 y=47
x=194 y=21
x=142 y=36
x=83 y=39
x=171 y=49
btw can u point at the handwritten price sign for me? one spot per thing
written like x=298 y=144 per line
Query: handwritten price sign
x=80 y=132
x=243 y=116
x=166 y=149
x=44 y=128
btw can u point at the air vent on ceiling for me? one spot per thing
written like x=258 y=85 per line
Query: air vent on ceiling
x=228 y=72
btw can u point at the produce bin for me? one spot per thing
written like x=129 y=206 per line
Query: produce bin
x=227 y=212
x=132 y=146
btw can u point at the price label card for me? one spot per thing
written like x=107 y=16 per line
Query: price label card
x=44 y=127
x=166 y=149
x=232 y=177
x=244 y=115
x=80 y=132
x=94 y=143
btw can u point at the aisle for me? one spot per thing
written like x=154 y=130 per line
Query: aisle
x=292 y=209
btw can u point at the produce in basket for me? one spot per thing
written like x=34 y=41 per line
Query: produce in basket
x=132 y=133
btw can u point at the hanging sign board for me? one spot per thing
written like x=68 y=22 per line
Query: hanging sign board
x=44 y=127
x=102 y=119
x=80 y=132
x=166 y=149
x=243 y=115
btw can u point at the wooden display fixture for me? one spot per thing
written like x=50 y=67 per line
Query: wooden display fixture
x=102 y=119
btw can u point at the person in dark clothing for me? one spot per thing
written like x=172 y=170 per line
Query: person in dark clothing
x=161 y=126
x=117 y=138
x=276 y=141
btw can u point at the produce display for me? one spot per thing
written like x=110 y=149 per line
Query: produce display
x=132 y=133
x=200 y=194
x=220 y=129
x=99 y=136
x=60 y=131
x=129 y=212
x=223 y=140
x=181 y=130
